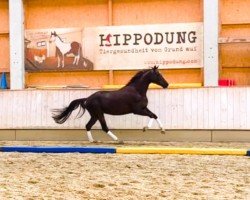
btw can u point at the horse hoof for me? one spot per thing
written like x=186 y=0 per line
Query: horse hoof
x=162 y=131
x=93 y=141
x=145 y=129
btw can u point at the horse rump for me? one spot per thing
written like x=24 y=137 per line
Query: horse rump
x=61 y=115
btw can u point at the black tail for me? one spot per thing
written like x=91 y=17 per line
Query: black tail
x=61 y=115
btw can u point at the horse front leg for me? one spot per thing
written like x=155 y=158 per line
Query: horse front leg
x=147 y=112
x=76 y=60
x=58 y=61
x=63 y=61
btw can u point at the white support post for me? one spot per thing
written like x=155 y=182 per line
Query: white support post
x=16 y=22
x=211 y=32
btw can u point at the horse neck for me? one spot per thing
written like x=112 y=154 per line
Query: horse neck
x=142 y=85
x=62 y=46
x=58 y=41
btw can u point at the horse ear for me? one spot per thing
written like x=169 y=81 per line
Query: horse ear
x=155 y=67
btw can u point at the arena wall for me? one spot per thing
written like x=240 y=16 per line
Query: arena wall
x=212 y=111
x=197 y=108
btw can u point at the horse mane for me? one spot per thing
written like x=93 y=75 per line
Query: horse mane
x=55 y=34
x=137 y=76
x=60 y=38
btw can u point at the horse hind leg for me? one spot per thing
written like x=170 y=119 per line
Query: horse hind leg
x=105 y=128
x=89 y=125
x=78 y=55
x=63 y=61
x=76 y=60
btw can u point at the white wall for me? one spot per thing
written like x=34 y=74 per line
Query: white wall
x=200 y=108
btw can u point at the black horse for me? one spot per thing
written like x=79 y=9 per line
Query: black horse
x=129 y=99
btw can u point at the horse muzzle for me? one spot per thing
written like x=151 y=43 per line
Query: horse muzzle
x=165 y=85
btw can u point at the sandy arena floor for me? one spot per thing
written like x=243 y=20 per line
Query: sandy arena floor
x=114 y=176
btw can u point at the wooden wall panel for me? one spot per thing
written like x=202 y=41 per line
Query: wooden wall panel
x=171 y=75
x=240 y=75
x=92 y=78
x=235 y=30
x=122 y=77
x=198 y=108
x=235 y=55
x=234 y=11
x=183 y=75
x=127 y=12
x=235 y=24
x=96 y=79
x=4 y=53
x=64 y=13
x=4 y=15
x=4 y=36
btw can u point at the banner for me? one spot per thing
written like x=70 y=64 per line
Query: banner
x=134 y=47
x=177 y=45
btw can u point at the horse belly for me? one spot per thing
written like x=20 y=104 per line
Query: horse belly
x=117 y=109
x=113 y=103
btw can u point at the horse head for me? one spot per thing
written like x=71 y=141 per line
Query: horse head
x=53 y=36
x=157 y=78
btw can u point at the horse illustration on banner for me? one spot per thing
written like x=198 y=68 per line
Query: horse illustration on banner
x=46 y=50
x=64 y=48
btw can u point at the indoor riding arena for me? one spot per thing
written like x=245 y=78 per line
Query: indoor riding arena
x=123 y=99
